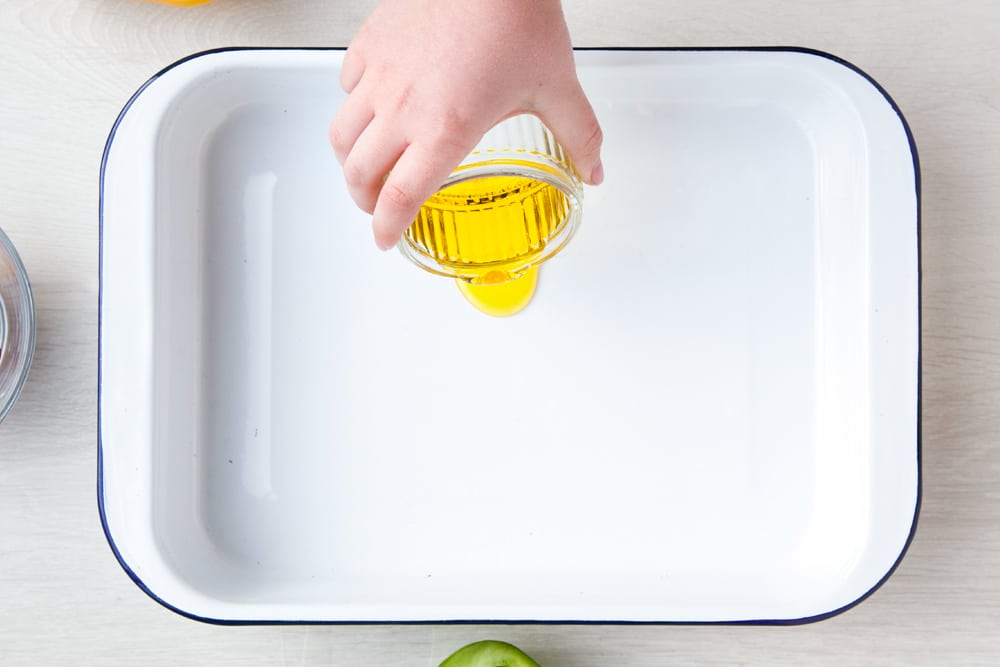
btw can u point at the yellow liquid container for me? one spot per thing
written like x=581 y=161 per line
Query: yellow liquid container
x=513 y=203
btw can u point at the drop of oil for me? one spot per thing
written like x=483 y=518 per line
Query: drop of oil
x=494 y=293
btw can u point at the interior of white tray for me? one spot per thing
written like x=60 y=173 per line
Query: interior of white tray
x=677 y=428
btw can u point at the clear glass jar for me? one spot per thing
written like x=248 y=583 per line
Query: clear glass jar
x=17 y=325
x=513 y=203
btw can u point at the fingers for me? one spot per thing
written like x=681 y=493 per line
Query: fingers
x=372 y=156
x=351 y=119
x=573 y=122
x=418 y=174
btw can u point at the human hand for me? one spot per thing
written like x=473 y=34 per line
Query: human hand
x=427 y=78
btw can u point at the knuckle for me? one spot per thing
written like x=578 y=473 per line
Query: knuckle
x=399 y=197
x=405 y=103
x=453 y=126
x=462 y=126
x=453 y=134
x=337 y=139
x=595 y=138
x=355 y=175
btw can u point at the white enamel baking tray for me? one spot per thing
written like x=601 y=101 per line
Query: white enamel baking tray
x=709 y=413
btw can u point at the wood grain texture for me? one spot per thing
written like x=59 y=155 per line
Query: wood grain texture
x=67 y=68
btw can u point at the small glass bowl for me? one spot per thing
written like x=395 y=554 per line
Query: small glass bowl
x=513 y=203
x=17 y=325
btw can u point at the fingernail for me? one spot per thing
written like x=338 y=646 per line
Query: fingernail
x=597 y=175
x=382 y=245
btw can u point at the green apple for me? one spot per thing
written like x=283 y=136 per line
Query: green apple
x=489 y=653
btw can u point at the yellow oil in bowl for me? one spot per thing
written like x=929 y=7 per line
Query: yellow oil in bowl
x=512 y=204
x=490 y=232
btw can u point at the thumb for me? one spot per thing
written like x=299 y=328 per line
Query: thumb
x=572 y=120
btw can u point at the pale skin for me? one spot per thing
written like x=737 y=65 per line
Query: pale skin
x=427 y=78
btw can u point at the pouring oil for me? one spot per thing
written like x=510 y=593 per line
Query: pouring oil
x=491 y=230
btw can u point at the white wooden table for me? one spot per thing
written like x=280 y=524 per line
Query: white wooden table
x=67 y=67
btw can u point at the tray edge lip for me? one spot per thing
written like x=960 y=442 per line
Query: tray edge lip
x=445 y=621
